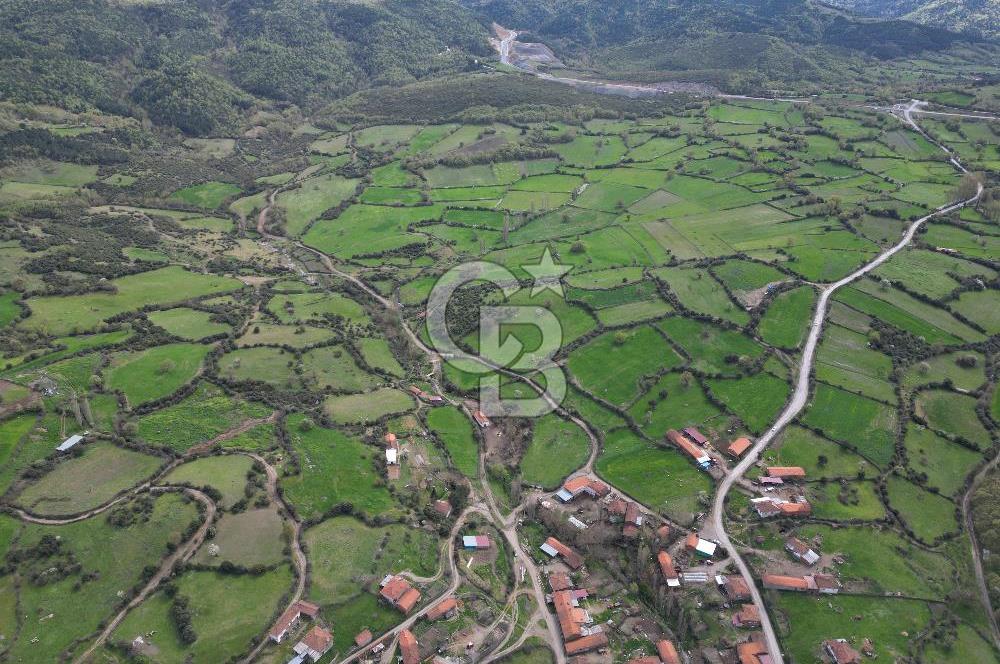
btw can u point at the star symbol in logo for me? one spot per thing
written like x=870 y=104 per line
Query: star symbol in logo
x=547 y=274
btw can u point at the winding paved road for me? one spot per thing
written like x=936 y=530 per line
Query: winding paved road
x=799 y=399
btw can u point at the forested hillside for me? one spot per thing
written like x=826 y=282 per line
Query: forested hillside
x=196 y=65
x=980 y=17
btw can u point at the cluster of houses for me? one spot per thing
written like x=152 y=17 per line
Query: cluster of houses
x=666 y=653
x=426 y=397
x=556 y=549
x=580 y=634
x=398 y=593
x=791 y=504
x=316 y=642
x=691 y=442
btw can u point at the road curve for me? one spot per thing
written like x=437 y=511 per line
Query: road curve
x=795 y=405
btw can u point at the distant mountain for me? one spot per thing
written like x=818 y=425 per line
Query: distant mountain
x=740 y=45
x=978 y=17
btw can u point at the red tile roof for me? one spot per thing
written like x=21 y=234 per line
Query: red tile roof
x=632 y=514
x=559 y=581
x=587 y=643
x=363 y=638
x=666 y=565
x=291 y=615
x=394 y=589
x=442 y=507
x=667 y=651
x=569 y=556
x=782 y=582
x=747 y=616
x=442 y=608
x=795 y=509
x=408 y=600
x=686 y=445
x=318 y=639
x=692 y=541
x=786 y=472
x=751 y=652
x=584 y=483
x=663 y=532
x=409 y=648
x=738 y=447
x=736 y=587
x=841 y=652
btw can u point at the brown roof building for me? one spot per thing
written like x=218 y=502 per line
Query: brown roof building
x=753 y=652
x=559 y=581
x=586 y=644
x=316 y=643
x=409 y=647
x=695 y=435
x=290 y=618
x=738 y=447
x=446 y=608
x=735 y=587
x=442 y=507
x=363 y=638
x=667 y=652
x=747 y=616
x=782 y=582
x=668 y=569
x=841 y=652
x=554 y=548
x=786 y=472
x=398 y=592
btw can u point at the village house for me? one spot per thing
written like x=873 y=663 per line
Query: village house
x=734 y=587
x=747 y=616
x=699 y=455
x=443 y=507
x=633 y=519
x=786 y=472
x=398 y=593
x=801 y=551
x=290 y=619
x=476 y=542
x=738 y=447
x=769 y=506
x=663 y=533
x=667 y=652
x=587 y=644
x=753 y=651
x=559 y=581
x=582 y=485
x=668 y=569
x=841 y=652
x=701 y=548
x=363 y=638
x=409 y=648
x=481 y=420
x=432 y=399
x=820 y=583
x=555 y=548
x=446 y=608
x=316 y=643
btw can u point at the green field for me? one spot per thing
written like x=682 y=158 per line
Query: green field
x=929 y=516
x=660 y=478
x=208 y=195
x=861 y=423
x=454 y=430
x=786 y=320
x=557 y=449
x=356 y=408
x=189 y=324
x=954 y=414
x=335 y=468
x=227 y=474
x=87 y=481
x=154 y=373
x=168 y=285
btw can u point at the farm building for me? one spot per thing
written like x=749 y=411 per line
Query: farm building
x=481 y=420
x=363 y=638
x=443 y=507
x=734 y=587
x=582 y=484
x=476 y=542
x=695 y=436
x=316 y=643
x=70 y=442
x=409 y=648
x=801 y=551
x=447 y=608
x=769 y=506
x=559 y=581
x=747 y=616
x=398 y=592
x=738 y=447
x=587 y=644
x=667 y=652
x=555 y=548
x=668 y=569
x=841 y=652
x=786 y=472
x=700 y=547
x=753 y=652
x=821 y=583
x=699 y=455
x=290 y=618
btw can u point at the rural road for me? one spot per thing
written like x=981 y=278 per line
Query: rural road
x=180 y=555
x=977 y=558
x=798 y=401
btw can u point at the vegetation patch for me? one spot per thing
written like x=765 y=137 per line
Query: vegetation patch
x=557 y=448
x=358 y=408
x=156 y=372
